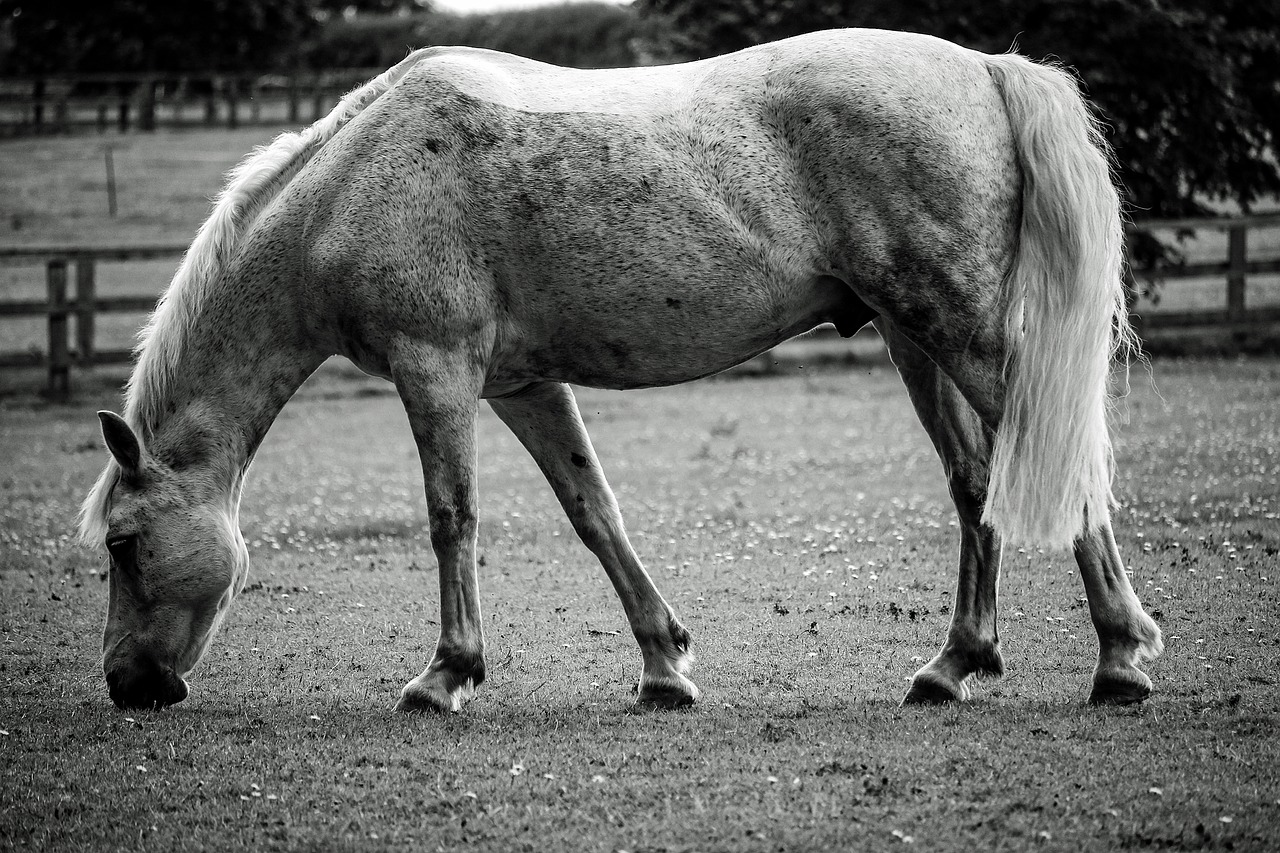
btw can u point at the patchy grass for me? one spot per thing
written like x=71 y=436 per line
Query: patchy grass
x=800 y=527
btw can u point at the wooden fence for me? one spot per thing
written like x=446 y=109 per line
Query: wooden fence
x=1237 y=316
x=59 y=103
x=61 y=305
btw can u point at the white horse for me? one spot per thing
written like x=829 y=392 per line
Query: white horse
x=474 y=225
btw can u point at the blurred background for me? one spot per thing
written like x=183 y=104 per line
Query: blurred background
x=118 y=119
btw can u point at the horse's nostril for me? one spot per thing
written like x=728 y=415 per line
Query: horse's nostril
x=147 y=686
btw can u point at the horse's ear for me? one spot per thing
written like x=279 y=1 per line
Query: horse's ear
x=121 y=441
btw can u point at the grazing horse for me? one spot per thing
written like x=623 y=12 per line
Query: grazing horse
x=474 y=225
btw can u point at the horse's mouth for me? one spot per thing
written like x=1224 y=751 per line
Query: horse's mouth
x=146 y=688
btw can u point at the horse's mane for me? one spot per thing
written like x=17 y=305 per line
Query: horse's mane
x=249 y=188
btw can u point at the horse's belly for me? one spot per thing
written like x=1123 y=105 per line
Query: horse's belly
x=667 y=336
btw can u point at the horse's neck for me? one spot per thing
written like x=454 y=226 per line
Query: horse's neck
x=218 y=381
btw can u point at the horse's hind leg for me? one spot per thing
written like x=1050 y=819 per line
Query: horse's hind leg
x=1126 y=634
x=963 y=443
x=440 y=391
x=545 y=418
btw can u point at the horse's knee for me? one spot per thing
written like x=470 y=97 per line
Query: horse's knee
x=451 y=524
x=597 y=529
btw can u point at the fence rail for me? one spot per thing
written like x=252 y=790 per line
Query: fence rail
x=61 y=306
x=1238 y=317
x=57 y=103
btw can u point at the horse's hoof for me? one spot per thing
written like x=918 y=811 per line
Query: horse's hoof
x=1120 y=687
x=930 y=688
x=664 y=694
x=430 y=696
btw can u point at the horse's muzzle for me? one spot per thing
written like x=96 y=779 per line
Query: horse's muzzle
x=145 y=684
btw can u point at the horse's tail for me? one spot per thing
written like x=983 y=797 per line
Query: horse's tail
x=1051 y=467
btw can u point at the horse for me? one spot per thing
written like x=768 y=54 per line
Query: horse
x=473 y=225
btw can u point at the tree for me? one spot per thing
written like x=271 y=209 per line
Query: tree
x=1188 y=89
x=151 y=35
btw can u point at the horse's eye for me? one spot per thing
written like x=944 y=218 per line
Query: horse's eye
x=123 y=551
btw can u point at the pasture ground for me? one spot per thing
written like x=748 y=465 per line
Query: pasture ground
x=800 y=527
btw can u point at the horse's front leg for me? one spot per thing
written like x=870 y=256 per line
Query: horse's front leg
x=545 y=418
x=1126 y=634
x=440 y=392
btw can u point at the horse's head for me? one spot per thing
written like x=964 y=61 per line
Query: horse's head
x=177 y=560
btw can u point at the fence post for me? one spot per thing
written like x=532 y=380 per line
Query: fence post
x=86 y=298
x=59 y=356
x=233 y=102
x=255 y=103
x=147 y=110
x=37 y=105
x=211 y=102
x=1237 y=263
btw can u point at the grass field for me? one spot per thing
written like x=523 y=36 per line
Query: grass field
x=800 y=527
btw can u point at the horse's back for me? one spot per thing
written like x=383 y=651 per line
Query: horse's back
x=707 y=205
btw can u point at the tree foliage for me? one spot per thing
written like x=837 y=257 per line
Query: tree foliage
x=61 y=36
x=584 y=35
x=1188 y=88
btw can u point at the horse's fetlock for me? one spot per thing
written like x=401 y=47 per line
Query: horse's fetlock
x=680 y=636
x=462 y=663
